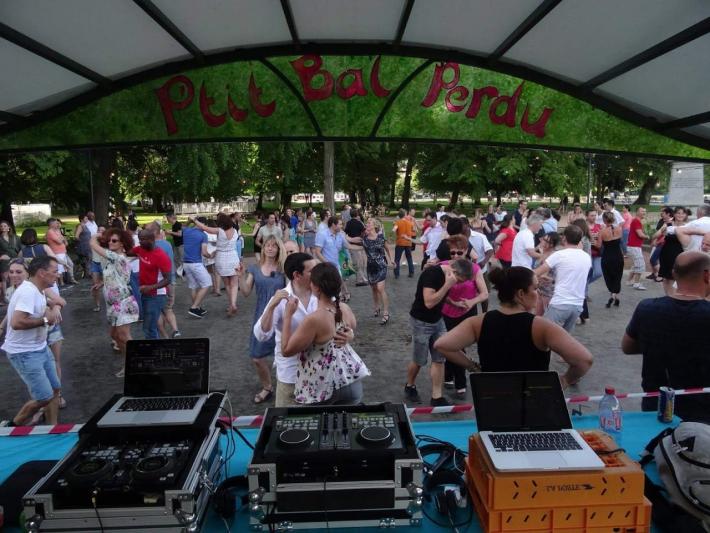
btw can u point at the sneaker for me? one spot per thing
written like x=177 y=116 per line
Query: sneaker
x=411 y=394
x=439 y=402
x=448 y=384
x=639 y=287
x=196 y=312
x=176 y=334
x=204 y=311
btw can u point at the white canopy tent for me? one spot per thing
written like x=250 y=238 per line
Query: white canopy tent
x=645 y=61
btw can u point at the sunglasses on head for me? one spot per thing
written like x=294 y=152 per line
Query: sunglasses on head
x=457 y=252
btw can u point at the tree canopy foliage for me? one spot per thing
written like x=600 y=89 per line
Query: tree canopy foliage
x=377 y=173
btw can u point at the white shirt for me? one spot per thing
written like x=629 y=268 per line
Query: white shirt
x=696 y=241
x=480 y=245
x=27 y=298
x=440 y=214
x=524 y=240
x=618 y=219
x=286 y=367
x=571 y=268
x=433 y=237
x=500 y=216
x=92 y=227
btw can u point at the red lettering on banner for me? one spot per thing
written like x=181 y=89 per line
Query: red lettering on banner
x=377 y=87
x=263 y=110
x=538 y=127
x=438 y=84
x=357 y=87
x=502 y=109
x=168 y=105
x=478 y=96
x=511 y=103
x=235 y=112
x=308 y=67
x=211 y=119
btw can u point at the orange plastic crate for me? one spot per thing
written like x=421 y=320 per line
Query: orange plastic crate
x=623 y=518
x=621 y=482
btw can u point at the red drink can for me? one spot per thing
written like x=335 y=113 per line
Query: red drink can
x=666 y=404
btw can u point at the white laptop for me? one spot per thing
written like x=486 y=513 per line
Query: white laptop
x=524 y=423
x=166 y=383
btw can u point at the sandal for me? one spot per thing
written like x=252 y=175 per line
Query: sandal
x=385 y=319
x=264 y=396
x=377 y=311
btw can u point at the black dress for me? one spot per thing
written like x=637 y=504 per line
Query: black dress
x=612 y=265
x=506 y=344
x=671 y=249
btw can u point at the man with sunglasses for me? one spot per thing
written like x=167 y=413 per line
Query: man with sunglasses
x=30 y=317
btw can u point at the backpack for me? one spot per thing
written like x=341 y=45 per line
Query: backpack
x=682 y=455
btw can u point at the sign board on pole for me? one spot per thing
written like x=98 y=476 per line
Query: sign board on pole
x=686 y=186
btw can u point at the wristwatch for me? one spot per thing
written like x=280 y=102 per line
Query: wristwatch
x=46 y=321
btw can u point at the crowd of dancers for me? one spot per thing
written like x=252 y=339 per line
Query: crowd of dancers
x=541 y=274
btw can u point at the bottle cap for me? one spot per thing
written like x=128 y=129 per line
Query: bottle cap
x=610 y=390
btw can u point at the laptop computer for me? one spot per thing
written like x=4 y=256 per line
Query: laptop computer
x=166 y=383
x=524 y=423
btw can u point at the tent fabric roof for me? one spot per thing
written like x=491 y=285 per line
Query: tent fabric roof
x=643 y=60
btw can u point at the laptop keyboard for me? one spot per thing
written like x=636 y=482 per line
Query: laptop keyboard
x=533 y=442
x=174 y=403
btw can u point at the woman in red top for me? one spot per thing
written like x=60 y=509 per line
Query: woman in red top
x=504 y=242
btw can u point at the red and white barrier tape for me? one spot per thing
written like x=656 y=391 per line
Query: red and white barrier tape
x=255 y=421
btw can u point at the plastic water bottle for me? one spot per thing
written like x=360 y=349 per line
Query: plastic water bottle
x=610 y=414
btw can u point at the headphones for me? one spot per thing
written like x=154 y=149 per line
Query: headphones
x=224 y=499
x=448 y=491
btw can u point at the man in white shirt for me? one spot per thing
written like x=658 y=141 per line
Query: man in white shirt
x=524 y=251
x=91 y=224
x=297 y=268
x=440 y=211
x=609 y=206
x=484 y=251
x=433 y=236
x=691 y=235
x=28 y=320
x=571 y=267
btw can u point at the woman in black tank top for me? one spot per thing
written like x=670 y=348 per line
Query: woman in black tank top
x=512 y=338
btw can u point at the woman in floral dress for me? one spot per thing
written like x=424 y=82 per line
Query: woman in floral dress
x=327 y=373
x=378 y=259
x=121 y=306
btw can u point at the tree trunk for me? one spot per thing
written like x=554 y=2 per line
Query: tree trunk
x=352 y=193
x=329 y=175
x=455 y=191
x=645 y=193
x=6 y=210
x=377 y=195
x=576 y=199
x=393 y=191
x=407 y=188
x=260 y=202
x=104 y=162
x=498 y=198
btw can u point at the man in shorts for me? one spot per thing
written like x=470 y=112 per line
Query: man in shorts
x=635 y=252
x=29 y=318
x=154 y=276
x=167 y=315
x=428 y=325
x=194 y=242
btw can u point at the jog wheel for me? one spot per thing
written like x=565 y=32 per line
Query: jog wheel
x=87 y=472
x=294 y=438
x=372 y=436
x=153 y=467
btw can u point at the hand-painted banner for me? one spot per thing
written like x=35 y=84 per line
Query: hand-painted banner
x=345 y=97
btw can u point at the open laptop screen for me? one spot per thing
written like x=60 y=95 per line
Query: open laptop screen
x=167 y=367
x=519 y=401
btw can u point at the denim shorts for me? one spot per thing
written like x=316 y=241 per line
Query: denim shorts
x=54 y=335
x=424 y=336
x=96 y=268
x=38 y=371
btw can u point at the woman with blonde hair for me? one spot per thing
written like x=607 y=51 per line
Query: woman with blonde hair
x=267 y=277
x=378 y=259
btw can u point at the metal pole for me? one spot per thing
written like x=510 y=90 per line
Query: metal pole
x=91 y=180
x=589 y=180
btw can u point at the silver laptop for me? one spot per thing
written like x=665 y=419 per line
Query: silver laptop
x=166 y=383
x=524 y=423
